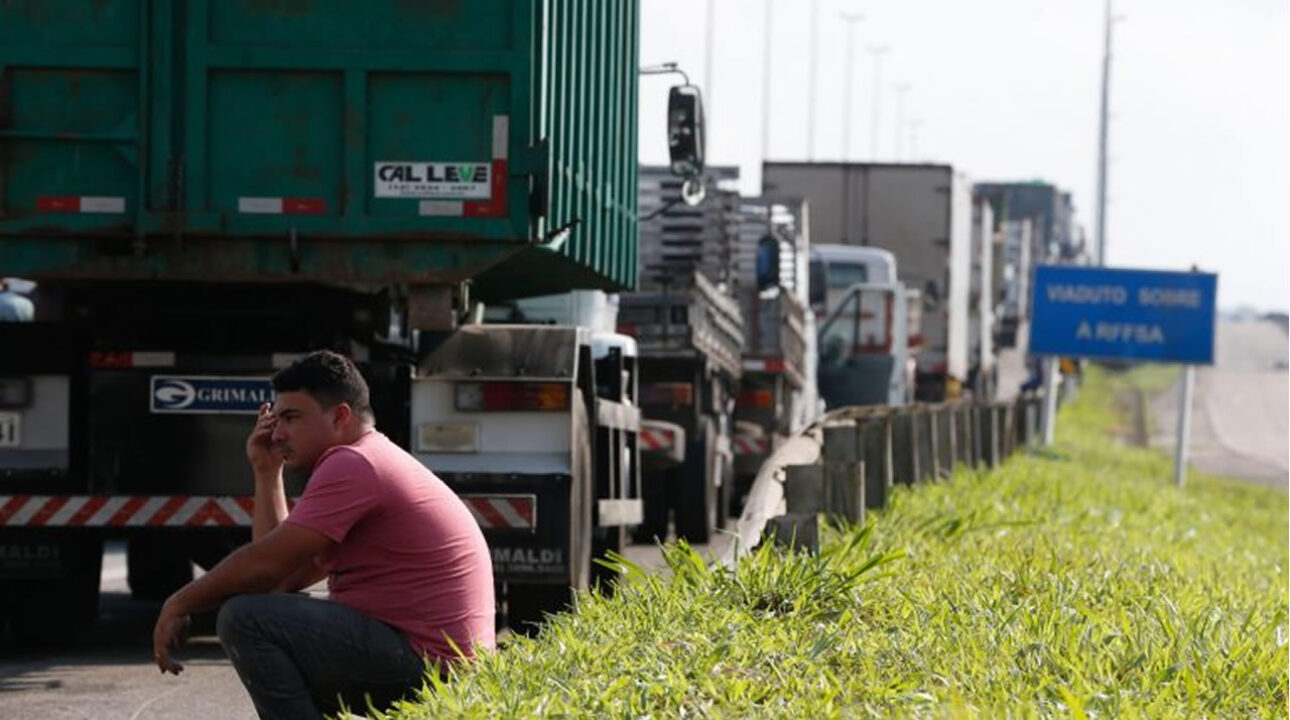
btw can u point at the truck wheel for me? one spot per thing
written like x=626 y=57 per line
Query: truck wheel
x=156 y=567
x=696 y=512
x=527 y=606
x=608 y=539
x=655 y=498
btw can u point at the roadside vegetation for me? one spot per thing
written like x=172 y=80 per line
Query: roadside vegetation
x=1076 y=582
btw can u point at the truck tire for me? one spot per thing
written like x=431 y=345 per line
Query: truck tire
x=655 y=500
x=156 y=567
x=697 y=513
x=608 y=539
x=528 y=605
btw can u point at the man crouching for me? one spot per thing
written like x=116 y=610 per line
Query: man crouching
x=408 y=572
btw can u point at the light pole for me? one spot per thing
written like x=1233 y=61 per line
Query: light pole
x=1102 y=137
x=913 y=138
x=765 y=84
x=877 y=51
x=901 y=89
x=709 y=34
x=851 y=19
x=815 y=63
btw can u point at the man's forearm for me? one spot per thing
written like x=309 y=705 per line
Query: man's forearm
x=270 y=504
x=243 y=571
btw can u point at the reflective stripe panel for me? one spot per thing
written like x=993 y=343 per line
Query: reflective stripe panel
x=281 y=206
x=656 y=439
x=80 y=204
x=125 y=511
x=503 y=512
x=745 y=445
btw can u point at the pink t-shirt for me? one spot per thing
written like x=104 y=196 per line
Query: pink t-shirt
x=408 y=552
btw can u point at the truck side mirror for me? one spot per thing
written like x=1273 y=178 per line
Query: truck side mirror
x=767 y=263
x=685 y=136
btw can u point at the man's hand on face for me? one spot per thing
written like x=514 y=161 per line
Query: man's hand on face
x=170 y=632
x=260 y=452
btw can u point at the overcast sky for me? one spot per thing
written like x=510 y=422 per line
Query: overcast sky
x=1009 y=90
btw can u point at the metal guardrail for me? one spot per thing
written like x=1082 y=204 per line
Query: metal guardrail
x=848 y=461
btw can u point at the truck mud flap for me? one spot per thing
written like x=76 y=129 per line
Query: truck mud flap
x=526 y=521
x=35 y=555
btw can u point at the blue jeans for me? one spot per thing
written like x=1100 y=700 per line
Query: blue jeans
x=300 y=657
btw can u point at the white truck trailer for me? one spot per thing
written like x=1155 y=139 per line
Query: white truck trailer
x=922 y=214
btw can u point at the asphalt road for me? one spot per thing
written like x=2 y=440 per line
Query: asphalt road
x=1240 y=407
x=111 y=676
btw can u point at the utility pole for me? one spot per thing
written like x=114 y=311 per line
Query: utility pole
x=709 y=35
x=901 y=89
x=765 y=83
x=1101 y=139
x=851 y=19
x=913 y=138
x=877 y=51
x=815 y=66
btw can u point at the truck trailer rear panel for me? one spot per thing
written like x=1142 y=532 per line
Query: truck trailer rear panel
x=328 y=141
x=923 y=215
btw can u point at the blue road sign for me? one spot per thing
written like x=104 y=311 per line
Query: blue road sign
x=198 y=394
x=1126 y=314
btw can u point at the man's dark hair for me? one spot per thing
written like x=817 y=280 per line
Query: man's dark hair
x=329 y=378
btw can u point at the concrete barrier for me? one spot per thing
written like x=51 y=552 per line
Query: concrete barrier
x=904 y=447
x=876 y=446
x=965 y=455
x=988 y=422
x=928 y=452
x=848 y=462
x=947 y=442
x=844 y=472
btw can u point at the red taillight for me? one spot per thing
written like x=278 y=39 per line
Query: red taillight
x=111 y=359
x=512 y=397
x=674 y=394
x=761 y=399
x=131 y=359
x=304 y=206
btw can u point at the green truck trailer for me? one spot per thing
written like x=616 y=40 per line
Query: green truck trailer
x=205 y=190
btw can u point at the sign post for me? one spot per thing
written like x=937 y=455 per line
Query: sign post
x=1052 y=381
x=1142 y=315
x=1184 y=425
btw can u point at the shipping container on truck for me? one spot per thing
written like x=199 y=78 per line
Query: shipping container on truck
x=777 y=392
x=204 y=191
x=1054 y=235
x=1046 y=215
x=686 y=320
x=1014 y=293
x=922 y=214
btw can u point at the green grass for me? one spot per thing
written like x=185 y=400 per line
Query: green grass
x=1078 y=584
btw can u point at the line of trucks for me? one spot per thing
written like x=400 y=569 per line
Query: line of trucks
x=589 y=352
